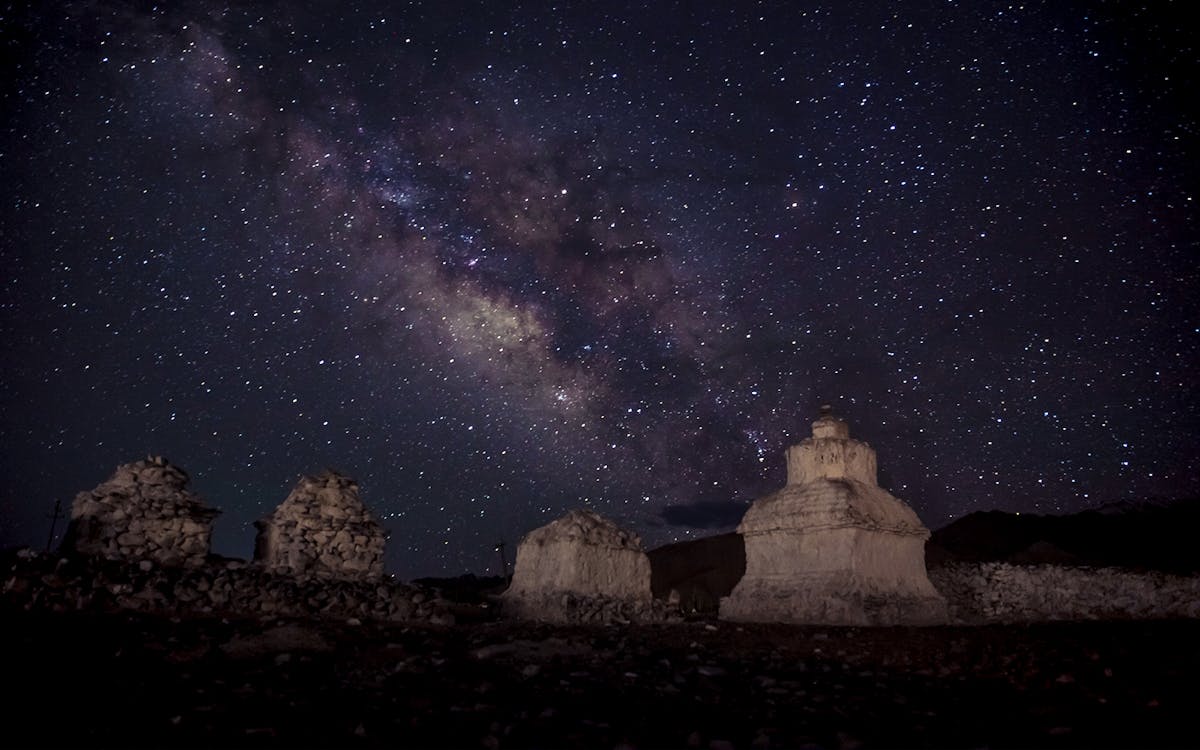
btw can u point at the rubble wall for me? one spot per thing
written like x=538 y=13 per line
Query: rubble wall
x=43 y=582
x=999 y=592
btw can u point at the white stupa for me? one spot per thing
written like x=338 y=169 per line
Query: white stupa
x=832 y=546
x=580 y=556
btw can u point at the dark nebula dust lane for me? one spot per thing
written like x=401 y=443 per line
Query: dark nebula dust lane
x=497 y=263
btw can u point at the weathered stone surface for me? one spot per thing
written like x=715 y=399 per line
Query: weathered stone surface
x=581 y=568
x=832 y=546
x=143 y=511
x=1000 y=592
x=323 y=530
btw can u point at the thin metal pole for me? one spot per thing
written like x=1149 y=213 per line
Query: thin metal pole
x=503 y=557
x=57 y=514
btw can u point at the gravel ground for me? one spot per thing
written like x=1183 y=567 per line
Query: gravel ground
x=99 y=680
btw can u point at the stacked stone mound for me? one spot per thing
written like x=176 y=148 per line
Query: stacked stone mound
x=143 y=512
x=234 y=588
x=832 y=547
x=1000 y=592
x=322 y=530
x=582 y=568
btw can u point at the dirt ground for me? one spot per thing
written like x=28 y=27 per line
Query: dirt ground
x=121 y=680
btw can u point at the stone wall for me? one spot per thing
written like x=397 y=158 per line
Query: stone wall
x=322 y=530
x=35 y=581
x=999 y=592
x=144 y=511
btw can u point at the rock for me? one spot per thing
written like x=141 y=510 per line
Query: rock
x=282 y=638
x=494 y=650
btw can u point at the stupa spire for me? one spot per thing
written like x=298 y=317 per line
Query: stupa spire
x=831 y=453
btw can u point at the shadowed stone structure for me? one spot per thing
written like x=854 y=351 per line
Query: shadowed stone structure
x=697 y=573
x=143 y=512
x=832 y=546
x=322 y=530
x=580 y=558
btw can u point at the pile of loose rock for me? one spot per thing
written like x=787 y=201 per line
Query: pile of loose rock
x=581 y=609
x=323 y=530
x=45 y=582
x=999 y=592
x=144 y=511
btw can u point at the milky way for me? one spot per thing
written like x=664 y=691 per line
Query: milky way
x=499 y=263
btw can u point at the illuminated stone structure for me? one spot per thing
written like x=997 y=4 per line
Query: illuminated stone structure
x=322 y=530
x=581 y=561
x=143 y=512
x=832 y=546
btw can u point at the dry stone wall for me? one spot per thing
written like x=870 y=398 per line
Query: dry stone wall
x=144 y=511
x=35 y=581
x=322 y=530
x=999 y=592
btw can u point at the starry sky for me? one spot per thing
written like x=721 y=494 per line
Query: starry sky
x=498 y=262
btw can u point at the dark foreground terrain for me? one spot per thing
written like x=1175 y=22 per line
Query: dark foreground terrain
x=90 y=680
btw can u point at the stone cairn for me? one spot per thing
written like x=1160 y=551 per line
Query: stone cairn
x=833 y=547
x=143 y=512
x=582 y=568
x=322 y=530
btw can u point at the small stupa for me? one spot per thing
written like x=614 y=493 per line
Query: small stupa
x=322 y=530
x=833 y=547
x=144 y=511
x=581 y=556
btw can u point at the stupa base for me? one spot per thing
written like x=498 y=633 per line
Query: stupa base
x=808 y=603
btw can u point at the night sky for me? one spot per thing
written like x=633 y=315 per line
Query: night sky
x=500 y=263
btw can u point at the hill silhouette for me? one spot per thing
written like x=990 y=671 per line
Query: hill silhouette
x=1148 y=535
x=701 y=571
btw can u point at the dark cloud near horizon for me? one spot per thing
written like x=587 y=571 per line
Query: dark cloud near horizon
x=708 y=515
